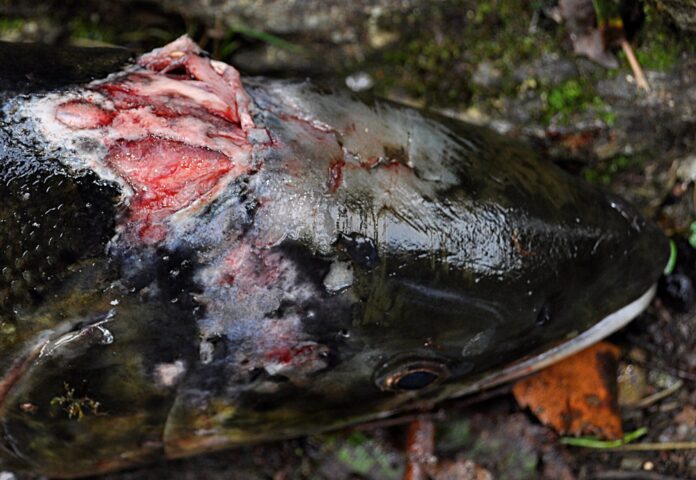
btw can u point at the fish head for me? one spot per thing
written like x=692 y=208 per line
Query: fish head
x=301 y=262
x=427 y=293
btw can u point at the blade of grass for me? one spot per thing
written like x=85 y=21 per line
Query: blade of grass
x=656 y=397
x=228 y=48
x=589 y=442
x=692 y=234
x=672 y=258
x=265 y=37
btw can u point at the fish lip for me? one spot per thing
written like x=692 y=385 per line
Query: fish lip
x=609 y=324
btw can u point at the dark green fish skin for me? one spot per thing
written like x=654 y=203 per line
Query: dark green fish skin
x=352 y=259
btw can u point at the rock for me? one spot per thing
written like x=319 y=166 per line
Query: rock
x=632 y=383
x=487 y=75
x=683 y=12
x=677 y=291
x=359 y=81
x=550 y=69
x=332 y=30
x=631 y=463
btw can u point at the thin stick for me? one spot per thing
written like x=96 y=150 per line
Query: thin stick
x=683 y=374
x=632 y=475
x=656 y=397
x=661 y=446
x=641 y=81
x=420 y=448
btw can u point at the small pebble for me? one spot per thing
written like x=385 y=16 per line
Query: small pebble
x=677 y=291
x=359 y=81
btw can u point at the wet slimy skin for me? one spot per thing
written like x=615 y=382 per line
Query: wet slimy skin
x=192 y=261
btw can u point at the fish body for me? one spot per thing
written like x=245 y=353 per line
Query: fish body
x=192 y=260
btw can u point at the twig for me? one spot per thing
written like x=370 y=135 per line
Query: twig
x=420 y=448
x=632 y=475
x=641 y=81
x=659 y=446
x=657 y=396
x=675 y=372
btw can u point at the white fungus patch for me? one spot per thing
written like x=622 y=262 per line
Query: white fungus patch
x=339 y=278
x=169 y=374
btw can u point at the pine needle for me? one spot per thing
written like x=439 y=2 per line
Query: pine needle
x=590 y=442
x=641 y=81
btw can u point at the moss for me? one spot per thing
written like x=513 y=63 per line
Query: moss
x=424 y=67
x=11 y=28
x=11 y=24
x=83 y=29
x=658 y=44
x=568 y=96
x=435 y=61
x=603 y=173
x=659 y=55
x=140 y=34
x=362 y=455
x=573 y=96
x=455 y=435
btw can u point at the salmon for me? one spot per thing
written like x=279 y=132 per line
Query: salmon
x=192 y=260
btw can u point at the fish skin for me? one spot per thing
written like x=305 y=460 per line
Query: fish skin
x=239 y=260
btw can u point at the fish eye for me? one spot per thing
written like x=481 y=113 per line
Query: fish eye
x=412 y=376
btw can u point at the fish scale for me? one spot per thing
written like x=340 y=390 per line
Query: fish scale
x=36 y=203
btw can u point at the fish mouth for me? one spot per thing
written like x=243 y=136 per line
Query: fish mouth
x=605 y=327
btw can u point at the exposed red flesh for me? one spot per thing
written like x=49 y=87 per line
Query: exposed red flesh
x=245 y=268
x=296 y=354
x=166 y=177
x=335 y=174
x=174 y=127
x=80 y=114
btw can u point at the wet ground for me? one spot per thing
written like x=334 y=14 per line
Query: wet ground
x=510 y=67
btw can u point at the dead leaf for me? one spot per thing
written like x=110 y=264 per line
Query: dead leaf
x=588 y=38
x=687 y=416
x=632 y=382
x=576 y=396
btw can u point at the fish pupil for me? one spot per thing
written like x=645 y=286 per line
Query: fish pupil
x=416 y=380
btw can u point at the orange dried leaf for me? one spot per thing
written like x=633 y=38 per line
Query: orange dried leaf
x=576 y=396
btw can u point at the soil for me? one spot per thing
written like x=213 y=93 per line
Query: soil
x=509 y=65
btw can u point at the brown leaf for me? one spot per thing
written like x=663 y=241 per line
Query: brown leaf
x=687 y=416
x=588 y=39
x=576 y=396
